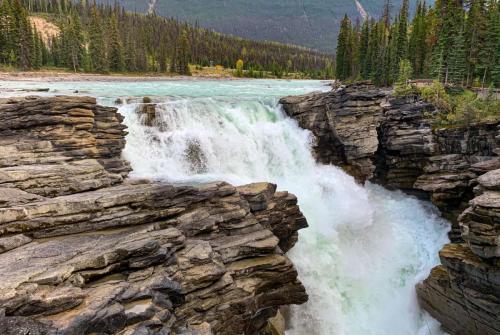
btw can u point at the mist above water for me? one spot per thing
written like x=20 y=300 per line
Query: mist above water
x=366 y=247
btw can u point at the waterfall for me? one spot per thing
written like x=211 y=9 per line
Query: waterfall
x=366 y=247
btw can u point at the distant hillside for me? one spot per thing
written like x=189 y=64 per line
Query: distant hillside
x=106 y=38
x=310 y=23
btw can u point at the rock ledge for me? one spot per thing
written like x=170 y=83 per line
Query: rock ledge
x=84 y=250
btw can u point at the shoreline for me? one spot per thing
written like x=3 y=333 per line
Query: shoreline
x=54 y=76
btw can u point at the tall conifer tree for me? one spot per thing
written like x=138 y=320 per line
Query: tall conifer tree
x=97 y=50
x=343 y=66
x=116 y=56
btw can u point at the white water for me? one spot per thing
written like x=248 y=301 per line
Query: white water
x=366 y=247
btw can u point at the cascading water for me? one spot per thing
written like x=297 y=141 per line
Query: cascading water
x=366 y=247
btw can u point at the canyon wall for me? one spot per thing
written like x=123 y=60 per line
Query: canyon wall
x=391 y=141
x=86 y=250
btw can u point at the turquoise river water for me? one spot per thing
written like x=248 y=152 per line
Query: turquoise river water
x=366 y=247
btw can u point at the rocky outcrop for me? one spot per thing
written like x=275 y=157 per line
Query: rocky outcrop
x=457 y=168
x=406 y=141
x=463 y=293
x=60 y=146
x=84 y=250
x=392 y=141
x=147 y=112
x=344 y=123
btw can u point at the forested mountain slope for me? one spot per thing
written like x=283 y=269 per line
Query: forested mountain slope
x=107 y=38
x=310 y=23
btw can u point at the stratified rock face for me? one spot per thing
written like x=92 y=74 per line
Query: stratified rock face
x=464 y=292
x=84 y=252
x=345 y=123
x=60 y=146
x=458 y=168
x=461 y=156
x=391 y=141
x=406 y=142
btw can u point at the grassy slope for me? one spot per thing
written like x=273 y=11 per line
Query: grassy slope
x=278 y=20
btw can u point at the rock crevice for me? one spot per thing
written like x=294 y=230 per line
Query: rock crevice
x=392 y=141
x=84 y=250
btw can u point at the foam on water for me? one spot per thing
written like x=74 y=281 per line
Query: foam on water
x=366 y=247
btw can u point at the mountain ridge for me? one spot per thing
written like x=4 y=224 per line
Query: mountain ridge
x=309 y=23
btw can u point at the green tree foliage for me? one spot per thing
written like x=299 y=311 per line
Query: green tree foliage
x=475 y=30
x=418 y=48
x=457 y=61
x=363 y=55
x=455 y=42
x=73 y=44
x=403 y=86
x=97 y=49
x=18 y=39
x=116 y=54
x=102 y=38
x=402 y=33
x=344 y=50
x=489 y=54
x=184 y=54
x=239 y=68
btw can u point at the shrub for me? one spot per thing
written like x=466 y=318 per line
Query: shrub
x=436 y=94
x=239 y=68
x=462 y=108
x=403 y=87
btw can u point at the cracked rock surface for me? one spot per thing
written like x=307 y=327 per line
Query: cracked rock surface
x=464 y=292
x=391 y=141
x=84 y=250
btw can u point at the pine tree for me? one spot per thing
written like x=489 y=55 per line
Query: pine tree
x=116 y=55
x=74 y=43
x=343 y=66
x=392 y=55
x=354 y=45
x=457 y=62
x=494 y=41
x=402 y=33
x=97 y=50
x=437 y=67
x=363 y=55
x=3 y=30
x=488 y=58
x=374 y=46
x=22 y=36
x=476 y=29
x=9 y=33
x=417 y=44
x=405 y=73
x=37 y=50
x=182 y=57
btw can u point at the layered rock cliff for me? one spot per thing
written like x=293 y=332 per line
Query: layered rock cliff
x=376 y=137
x=84 y=250
x=463 y=293
x=344 y=123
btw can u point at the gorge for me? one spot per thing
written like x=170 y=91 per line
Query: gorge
x=187 y=253
x=393 y=142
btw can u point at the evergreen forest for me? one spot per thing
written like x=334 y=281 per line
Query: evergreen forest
x=101 y=38
x=455 y=42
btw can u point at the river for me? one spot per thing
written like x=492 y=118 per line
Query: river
x=366 y=247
